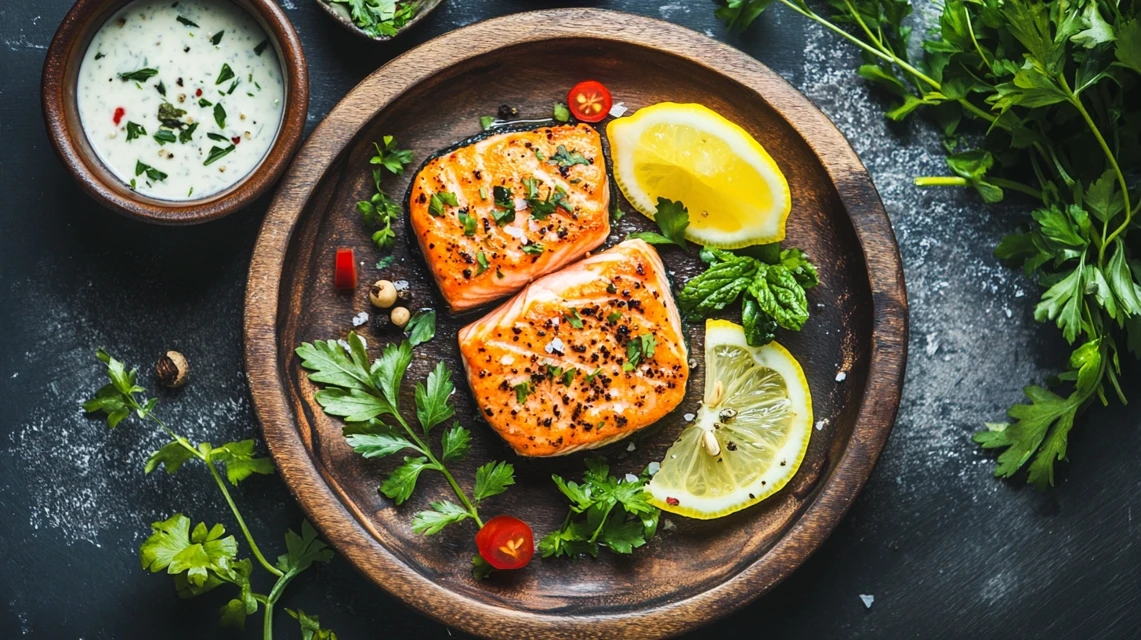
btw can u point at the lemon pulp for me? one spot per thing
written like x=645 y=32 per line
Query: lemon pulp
x=735 y=193
x=748 y=438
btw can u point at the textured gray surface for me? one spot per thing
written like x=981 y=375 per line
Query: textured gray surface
x=945 y=550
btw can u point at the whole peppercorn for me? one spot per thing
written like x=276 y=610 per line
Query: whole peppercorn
x=506 y=112
x=400 y=316
x=382 y=294
x=172 y=370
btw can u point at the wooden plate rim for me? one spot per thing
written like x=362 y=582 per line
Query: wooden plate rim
x=855 y=190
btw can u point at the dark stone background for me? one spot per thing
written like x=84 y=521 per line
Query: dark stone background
x=946 y=550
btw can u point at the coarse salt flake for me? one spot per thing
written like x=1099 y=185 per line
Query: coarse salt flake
x=820 y=424
x=360 y=318
x=842 y=376
x=555 y=346
x=630 y=447
x=654 y=467
x=689 y=417
x=507 y=360
x=668 y=524
x=618 y=110
x=867 y=600
x=631 y=477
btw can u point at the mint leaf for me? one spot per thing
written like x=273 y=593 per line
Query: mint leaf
x=717 y=287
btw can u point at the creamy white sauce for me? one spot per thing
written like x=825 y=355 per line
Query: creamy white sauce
x=148 y=34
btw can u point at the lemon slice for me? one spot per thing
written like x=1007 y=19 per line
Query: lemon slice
x=749 y=436
x=734 y=191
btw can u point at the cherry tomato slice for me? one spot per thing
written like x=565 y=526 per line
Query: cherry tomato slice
x=589 y=101
x=506 y=542
x=345 y=273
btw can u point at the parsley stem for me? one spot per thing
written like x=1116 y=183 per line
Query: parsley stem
x=971 y=30
x=241 y=522
x=956 y=181
x=1109 y=155
x=439 y=466
x=274 y=595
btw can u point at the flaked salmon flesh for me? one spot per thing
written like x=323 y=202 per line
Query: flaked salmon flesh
x=492 y=216
x=581 y=357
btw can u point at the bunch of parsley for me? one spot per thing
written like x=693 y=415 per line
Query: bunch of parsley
x=1055 y=91
x=380 y=210
x=771 y=282
x=203 y=558
x=365 y=393
x=605 y=512
x=380 y=18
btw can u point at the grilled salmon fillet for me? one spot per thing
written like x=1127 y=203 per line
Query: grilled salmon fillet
x=492 y=216
x=582 y=357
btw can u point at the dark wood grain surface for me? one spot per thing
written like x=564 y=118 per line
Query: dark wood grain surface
x=432 y=97
x=946 y=551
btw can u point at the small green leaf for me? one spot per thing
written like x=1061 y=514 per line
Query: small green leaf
x=402 y=482
x=456 y=442
x=421 y=327
x=442 y=514
x=493 y=479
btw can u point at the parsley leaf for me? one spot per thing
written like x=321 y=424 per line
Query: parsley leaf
x=562 y=113
x=141 y=75
x=455 y=442
x=187 y=134
x=186 y=21
x=390 y=157
x=533 y=248
x=220 y=115
x=303 y=550
x=432 y=400
x=442 y=514
x=175 y=548
x=481 y=259
x=639 y=350
x=493 y=479
x=135 y=130
x=421 y=327
x=438 y=200
x=152 y=173
x=163 y=136
x=217 y=153
x=225 y=74
x=504 y=205
x=311 y=628
x=564 y=158
x=400 y=484
x=217 y=37
x=673 y=219
x=468 y=222
x=239 y=461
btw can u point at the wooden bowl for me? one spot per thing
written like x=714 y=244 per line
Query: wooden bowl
x=61 y=114
x=692 y=572
x=341 y=15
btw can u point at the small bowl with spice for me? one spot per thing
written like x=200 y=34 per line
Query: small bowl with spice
x=380 y=21
x=175 y=112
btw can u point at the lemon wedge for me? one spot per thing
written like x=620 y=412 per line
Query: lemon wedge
x=748 y=438
x=735 y=193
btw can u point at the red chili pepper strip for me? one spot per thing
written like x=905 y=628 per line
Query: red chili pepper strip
x=345 y=275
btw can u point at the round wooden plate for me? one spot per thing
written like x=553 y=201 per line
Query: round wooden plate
x=692 y=572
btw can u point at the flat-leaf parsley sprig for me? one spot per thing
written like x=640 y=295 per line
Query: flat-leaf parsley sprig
x=605 y=512
x=203 y=558
x=367 y=394
x=1054 y=88
x=381 y=209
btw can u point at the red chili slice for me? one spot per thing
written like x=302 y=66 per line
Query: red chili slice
x=506 y=542
x=119 y=111
x=589 y=101
x=345 y=276
x=236 y=139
